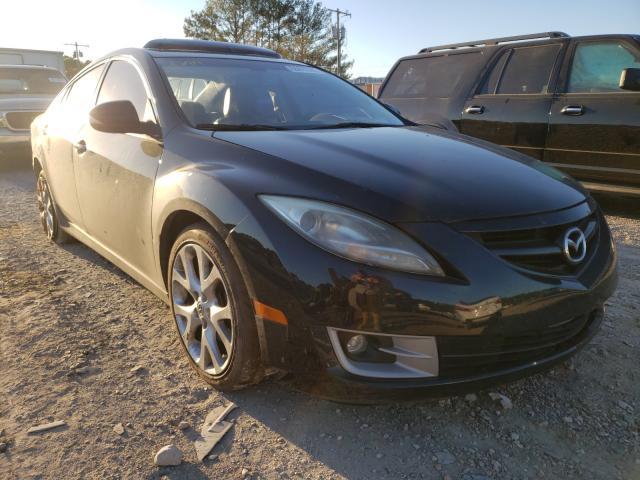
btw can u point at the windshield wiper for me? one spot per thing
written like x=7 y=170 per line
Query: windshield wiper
x=353 y=125
x=226 y=127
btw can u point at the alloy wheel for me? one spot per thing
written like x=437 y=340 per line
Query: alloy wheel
x=45 y=206
x=202 y=309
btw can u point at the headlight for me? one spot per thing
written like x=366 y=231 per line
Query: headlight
x=353 y=235
x=3 y=122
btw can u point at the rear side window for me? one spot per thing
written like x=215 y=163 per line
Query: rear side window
x=597 y=67
x=528 y=70
x=82 y=96
x=431 y=77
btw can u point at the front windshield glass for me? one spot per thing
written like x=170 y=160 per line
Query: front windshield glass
x=221 y=93
x=30 y=81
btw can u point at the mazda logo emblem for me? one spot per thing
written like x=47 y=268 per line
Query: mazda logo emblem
x=574 y=245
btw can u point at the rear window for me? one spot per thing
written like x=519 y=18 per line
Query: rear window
x=431 y=77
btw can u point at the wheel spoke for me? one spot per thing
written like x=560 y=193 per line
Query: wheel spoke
x=202 y=360
x=189 y=314
x=217 y=316
x=209 y=342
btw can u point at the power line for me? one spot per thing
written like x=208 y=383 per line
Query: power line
x=345 y=13
x=77 y=54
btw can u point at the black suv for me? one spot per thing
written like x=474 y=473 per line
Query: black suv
x=571 y=101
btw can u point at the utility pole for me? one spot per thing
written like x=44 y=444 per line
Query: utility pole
x=77 y=54
x=339 y=12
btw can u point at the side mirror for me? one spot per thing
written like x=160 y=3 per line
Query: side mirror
x=630 y=79
x=120 y=117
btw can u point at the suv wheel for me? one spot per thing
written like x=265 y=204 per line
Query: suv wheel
x=212 y=312
x=47 y=210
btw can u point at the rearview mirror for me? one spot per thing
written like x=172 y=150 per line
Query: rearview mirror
x=630 y=79
x=120 y=117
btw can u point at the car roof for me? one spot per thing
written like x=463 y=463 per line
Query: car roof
x=498 y=43
x=173 y=48
x=207 y=46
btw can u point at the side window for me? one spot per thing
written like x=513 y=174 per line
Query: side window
x=431 y=77
x=122 y=82
x=597 y=66
x=528 y=70
x=81 y=98
x=491 y=82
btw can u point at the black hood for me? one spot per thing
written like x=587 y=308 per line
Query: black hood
x=416 y=173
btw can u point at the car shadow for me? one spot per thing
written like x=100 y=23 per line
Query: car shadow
x=352 y=440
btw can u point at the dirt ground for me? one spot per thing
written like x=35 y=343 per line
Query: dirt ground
x=72 y=326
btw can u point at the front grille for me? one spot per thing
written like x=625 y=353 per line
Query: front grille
x=468 y=356
x=20 y=120
x=540 y=249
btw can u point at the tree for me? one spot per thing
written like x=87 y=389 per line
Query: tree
x=309 y=33
x=297 y=29
x=223 y=20
x=73 y=66
x=332 y=61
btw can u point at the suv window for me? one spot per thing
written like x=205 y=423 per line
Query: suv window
x=491 y=82
x=123 y=82
x=597 y=66
x=431 y=77
x=82 y=96
x=528 y=70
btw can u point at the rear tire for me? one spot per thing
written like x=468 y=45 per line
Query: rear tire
x=212 y=311
x=48 y=213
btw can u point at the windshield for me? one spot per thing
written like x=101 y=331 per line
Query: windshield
x=30 y=81
x=221 y=93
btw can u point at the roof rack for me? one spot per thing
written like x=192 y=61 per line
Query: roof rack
x=206 y=46
x=495 y=41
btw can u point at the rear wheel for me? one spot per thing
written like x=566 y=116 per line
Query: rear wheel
x=212 y=312
x=47 y=211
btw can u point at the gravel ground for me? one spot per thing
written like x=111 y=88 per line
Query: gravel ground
x=72 y=326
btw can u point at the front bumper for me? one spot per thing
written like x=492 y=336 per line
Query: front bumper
x=337 y=384
x=474 y=313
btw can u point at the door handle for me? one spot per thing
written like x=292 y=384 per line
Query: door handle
x=572 y=110
x=80 y=147
x=475 y=109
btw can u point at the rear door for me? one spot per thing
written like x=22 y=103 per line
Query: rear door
x=115 y=173
x=60 y=130
x=594 y=131
x=511 y=105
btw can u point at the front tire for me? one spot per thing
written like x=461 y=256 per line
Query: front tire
x=212 y=310
x=47 y=211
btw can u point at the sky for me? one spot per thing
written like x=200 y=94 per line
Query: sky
x=378 y=32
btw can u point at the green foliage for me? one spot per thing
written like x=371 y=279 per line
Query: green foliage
x=297 y=29
x=73 y=66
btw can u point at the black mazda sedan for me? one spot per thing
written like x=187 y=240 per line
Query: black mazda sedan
x=293 y=223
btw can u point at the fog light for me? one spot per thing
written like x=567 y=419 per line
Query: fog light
x=357 y=344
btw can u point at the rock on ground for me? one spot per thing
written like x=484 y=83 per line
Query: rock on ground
x=168 y=455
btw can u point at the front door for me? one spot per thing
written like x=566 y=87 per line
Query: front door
x=116 y=174
x=511 y=106
x=594 y=130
